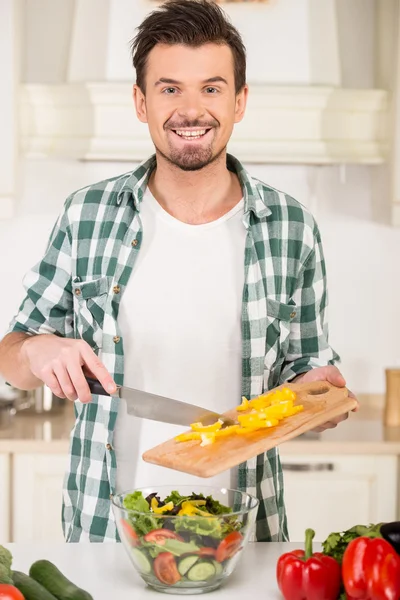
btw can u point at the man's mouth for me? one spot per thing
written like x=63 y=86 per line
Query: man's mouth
x=191 y=134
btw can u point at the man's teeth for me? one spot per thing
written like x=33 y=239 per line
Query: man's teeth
x=190 y=134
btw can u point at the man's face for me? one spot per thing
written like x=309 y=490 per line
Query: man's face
x=190 y=103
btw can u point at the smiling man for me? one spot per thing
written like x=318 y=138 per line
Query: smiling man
x=185 y=277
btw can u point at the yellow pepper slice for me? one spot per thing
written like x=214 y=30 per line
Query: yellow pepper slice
x=207 y=438
x=227 y=431
x=162 y=509
x=245 y=404
x=261 y=425
x=185 y=437
x=207 y=428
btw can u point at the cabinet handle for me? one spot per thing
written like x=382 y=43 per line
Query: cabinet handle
x=308 y=467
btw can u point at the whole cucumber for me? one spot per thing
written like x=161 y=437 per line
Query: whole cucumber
x=29 y=588
x=47 y=574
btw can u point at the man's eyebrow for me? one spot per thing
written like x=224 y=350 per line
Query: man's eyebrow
x=167 y=80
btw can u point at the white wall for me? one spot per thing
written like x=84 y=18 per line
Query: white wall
x=287 y=41
x=360 y=253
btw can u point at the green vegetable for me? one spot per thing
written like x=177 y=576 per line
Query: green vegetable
x=5 y=557
x=142 y=524
x=199 y=525
x=218 y=567
x=176 y=547
x=336 y=543
x=5 y=575
x=201 y=571
x=136 y=501
x=29 y=588
x=187 y=563
x=176 y=498
x=47 y=574
x=141 y=561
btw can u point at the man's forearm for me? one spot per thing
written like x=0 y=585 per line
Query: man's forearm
x=14 y=366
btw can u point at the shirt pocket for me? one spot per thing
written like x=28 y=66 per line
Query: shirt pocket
x=279 y=318
x=90 y=298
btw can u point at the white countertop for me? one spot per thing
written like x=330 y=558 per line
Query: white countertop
x=104 y=570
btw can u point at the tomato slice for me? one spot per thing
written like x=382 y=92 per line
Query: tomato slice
x=229 y=546
x=9 y=592
x=207 y=552
x=130 y=533
x=158 y=536
x=165 y=568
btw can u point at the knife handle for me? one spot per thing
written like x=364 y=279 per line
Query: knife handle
x=95 y=387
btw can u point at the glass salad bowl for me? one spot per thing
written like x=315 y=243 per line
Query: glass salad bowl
x=183 y=541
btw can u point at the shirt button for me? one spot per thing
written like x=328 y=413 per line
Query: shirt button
x=134 y=243
x=292 y=315
x=77 y=292
x=109 y=447
x=116 y=339
x=116 y=289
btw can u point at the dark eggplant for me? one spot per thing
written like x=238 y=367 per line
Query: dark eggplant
x=391 y=533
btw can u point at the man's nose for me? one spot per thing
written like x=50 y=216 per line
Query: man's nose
x=191 y=107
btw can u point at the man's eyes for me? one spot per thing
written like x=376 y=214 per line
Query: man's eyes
x=170 y=91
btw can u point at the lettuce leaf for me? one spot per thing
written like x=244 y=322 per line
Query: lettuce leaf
x=199 y=525
x=136 y=501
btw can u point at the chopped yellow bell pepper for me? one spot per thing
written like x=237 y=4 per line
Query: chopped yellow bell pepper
x=261 y=425
x=207 y=438
x=161 y=509
x=226 y=431
x=207 y=428
x=185 y=437
x=260 y=413
x=189 y=508
x=245 y=404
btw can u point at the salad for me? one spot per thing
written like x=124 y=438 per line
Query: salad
x=180 y=539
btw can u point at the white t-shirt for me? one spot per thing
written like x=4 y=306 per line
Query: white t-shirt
x=180 y=318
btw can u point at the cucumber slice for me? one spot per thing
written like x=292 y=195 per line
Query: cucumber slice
x=141 y=561
x=218 y=568
x=201 y=571
x=187 y=563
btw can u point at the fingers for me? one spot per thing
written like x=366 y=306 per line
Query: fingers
x=334 y=376
x=351 y=395
x=52 y=382
x=97 y=368
x=331 y=424
x=80 y=383
x=65 y=382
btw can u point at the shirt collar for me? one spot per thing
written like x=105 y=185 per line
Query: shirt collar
x=254 y=199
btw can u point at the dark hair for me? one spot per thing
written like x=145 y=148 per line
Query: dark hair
x=191 y=23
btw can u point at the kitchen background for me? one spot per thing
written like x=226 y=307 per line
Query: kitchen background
x=322 y=125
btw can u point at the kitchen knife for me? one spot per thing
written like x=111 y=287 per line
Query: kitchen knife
x=158 y=408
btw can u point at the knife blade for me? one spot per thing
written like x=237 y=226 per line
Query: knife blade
x=160 y=408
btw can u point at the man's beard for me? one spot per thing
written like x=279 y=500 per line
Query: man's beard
x=192 y=159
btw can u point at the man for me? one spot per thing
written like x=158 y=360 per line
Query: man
x=185 y=277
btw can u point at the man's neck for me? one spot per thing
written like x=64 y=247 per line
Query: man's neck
x=195 y=197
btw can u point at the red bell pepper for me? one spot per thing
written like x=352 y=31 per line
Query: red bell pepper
x=307 y=576
x=371 y=570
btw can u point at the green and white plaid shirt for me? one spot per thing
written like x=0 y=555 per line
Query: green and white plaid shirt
x=75 y=292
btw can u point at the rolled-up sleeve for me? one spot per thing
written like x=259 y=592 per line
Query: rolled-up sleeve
x=48 y=303
x=308 y=343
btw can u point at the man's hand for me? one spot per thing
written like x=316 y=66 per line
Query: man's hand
x=334 y=376
x=61 y=363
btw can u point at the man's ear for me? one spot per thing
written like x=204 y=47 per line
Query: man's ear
x=241 y=102
x=140 y=103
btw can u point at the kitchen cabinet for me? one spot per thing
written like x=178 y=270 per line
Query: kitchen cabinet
x=4 y=498
x=37 y=488
x=334 y=492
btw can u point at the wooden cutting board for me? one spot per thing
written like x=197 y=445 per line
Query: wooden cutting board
x=321 y=400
